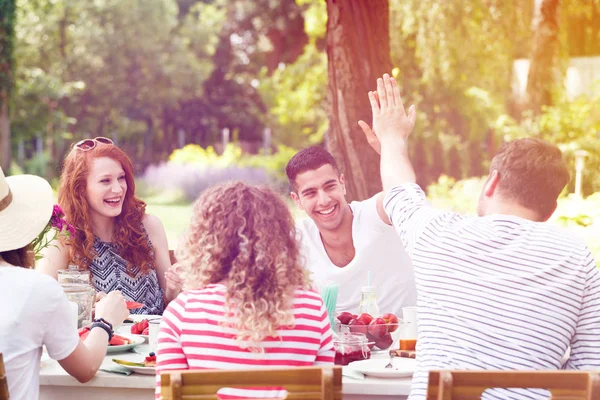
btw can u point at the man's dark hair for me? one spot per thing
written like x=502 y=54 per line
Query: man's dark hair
x=532 y=172
x=308 y=159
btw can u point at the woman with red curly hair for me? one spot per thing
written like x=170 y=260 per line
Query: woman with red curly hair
x=123 y=247
x=248 y=301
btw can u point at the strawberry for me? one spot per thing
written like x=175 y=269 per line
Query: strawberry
x=146 y=331
x=140 y=327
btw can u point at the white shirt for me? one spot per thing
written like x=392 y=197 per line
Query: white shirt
x=35 y=312
x=497 y=292
x=379 y=252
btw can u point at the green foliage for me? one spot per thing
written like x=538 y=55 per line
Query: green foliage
x=295 y=93
x=193 y=154
x=7 y=32
x=233 y=156
x=572 y=125
x=580 y=217
x=453 y=60
x=104 y=67
x=456 y=196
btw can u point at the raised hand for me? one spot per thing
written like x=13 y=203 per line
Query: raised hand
x=174 y=279
x=112 y=308
x=389 y=118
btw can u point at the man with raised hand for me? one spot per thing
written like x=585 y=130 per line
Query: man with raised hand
x=349 y=244
x=501 y=291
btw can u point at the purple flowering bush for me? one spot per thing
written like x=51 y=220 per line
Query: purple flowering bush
x=191 y=179
x=58 y=225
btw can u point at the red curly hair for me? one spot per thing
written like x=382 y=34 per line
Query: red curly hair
x=129 y=234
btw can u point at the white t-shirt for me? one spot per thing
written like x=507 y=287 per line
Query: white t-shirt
x=35 y=312
x=379 y=251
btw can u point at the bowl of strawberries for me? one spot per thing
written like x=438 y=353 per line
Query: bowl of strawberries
x=381 y=332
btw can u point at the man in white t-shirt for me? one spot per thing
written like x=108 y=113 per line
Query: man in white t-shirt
x=348 y=244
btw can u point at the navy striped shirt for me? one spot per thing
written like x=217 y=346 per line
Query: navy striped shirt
x=497 y=292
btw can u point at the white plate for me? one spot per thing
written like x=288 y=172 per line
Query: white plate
x=403 y=367
x=135 y=358
x=136 y=340
x=143 y=349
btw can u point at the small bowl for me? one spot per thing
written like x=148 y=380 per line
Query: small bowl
x=380 y=336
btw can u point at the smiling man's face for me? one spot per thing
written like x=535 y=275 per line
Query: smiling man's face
x=321 y=194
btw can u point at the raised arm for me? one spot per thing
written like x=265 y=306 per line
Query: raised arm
x=167 y=279
x=403 y=201
x=391 y=128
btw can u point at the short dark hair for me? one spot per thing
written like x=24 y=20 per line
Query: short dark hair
x=532 y=172
x=308 y=159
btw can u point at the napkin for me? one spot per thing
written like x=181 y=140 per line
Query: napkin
x=116 y=369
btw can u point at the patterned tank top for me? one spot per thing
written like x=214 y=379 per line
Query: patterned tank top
x=109 y=272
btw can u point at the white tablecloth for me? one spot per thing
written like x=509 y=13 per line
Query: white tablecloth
x=56 y=384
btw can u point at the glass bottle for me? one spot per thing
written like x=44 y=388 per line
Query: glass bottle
x=368 y=302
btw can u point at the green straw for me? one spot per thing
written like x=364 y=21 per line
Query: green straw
x=329 y=293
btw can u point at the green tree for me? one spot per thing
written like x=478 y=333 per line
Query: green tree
x=295 y=93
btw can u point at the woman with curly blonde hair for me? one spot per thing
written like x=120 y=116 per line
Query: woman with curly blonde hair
x=123 y=247
x=247 y=301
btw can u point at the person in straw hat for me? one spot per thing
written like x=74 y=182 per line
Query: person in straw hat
x=39 y=312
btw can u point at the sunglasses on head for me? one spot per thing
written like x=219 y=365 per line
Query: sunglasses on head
x=88 y=144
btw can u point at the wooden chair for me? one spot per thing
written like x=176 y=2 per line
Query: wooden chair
x=469 y=385
x=3 y=382
x=301 y=383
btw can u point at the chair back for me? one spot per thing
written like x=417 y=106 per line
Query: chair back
x=3 y=382
x=469 y=385
x=301 y=383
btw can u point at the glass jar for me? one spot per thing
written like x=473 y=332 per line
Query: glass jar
x=368 y=302
x=73 y=275
x=84 y=297
x=350 y=347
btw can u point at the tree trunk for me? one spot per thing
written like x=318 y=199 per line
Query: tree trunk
x=358 y=52
x=5 y=147
x=7 y=25
x=544 y=66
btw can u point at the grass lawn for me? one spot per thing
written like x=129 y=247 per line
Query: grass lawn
x=175 y=219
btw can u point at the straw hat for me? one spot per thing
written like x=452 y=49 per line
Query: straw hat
x=26 y=204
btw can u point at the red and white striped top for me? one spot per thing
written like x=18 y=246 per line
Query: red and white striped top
x=191 y=335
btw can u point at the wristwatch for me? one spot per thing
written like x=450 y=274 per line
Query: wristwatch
x=104 y=324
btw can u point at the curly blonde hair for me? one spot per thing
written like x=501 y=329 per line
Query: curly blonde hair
x=244 y=237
